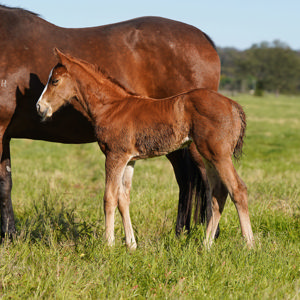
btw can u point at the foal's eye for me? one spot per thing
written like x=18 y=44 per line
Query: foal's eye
x=54 y=81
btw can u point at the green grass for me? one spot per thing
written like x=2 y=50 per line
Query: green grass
x=59 y=251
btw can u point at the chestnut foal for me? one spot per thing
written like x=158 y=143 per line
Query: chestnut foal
x=129 y=127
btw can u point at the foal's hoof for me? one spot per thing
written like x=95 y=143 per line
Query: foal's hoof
x=110 y=242
x=132 y=246
x=208 y=243
x=250 y=243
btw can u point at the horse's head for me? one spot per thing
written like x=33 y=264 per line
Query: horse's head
x=59 y=89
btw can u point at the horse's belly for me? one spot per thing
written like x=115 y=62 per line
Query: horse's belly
x=153 y=148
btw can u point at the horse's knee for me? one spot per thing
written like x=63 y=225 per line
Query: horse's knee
x=109 y=202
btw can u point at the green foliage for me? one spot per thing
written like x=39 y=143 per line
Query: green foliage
x=59 y=251
x=269 y=66
x=259 y=89
x=230 y=79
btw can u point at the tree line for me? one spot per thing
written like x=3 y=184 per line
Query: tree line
x=264 y=67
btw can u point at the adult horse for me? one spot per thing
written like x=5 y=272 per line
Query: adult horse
x=150 y=56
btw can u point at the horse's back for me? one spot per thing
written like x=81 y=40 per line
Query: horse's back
x=146 y=54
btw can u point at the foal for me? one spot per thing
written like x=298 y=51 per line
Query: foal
x=130 y=127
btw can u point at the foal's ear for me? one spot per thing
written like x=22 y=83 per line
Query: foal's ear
x=64 y=59
x=58 y=54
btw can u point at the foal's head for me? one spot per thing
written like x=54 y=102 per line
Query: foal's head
x=59 y=89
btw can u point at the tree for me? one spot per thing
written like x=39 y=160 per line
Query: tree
x=274 y=66
x=230 y=79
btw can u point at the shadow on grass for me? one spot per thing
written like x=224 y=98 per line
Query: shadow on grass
x=51 y=223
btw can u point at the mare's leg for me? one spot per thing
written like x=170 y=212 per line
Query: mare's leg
x=124 y=201
x=238 y=192
x=181 y=166
x=7 y=214
x=116 y=195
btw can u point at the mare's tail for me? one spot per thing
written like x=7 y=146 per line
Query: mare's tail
x=238 y=150
x=190 y=183
x=193 y=192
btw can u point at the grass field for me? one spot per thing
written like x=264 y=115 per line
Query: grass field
x=60 y=253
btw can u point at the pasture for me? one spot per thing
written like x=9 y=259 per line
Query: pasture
x=59 y=251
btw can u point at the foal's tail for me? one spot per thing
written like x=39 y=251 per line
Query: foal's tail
x=238 y=150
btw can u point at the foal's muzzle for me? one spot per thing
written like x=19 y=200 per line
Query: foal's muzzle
x=38 y=108
x=44 y=111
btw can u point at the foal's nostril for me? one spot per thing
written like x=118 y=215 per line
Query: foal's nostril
x=40 y=111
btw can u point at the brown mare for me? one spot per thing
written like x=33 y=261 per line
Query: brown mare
x=130 y=127
x=150 y=56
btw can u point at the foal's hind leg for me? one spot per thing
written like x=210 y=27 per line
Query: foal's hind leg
x=238 y=193
x=209 y=190
x=219 y=194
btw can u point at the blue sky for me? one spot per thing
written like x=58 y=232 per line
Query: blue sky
x=230 y=23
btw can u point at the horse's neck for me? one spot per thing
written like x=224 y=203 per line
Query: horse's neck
x=96 y=90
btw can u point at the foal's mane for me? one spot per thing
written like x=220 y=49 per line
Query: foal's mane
x=94 y=69
x=103 y=72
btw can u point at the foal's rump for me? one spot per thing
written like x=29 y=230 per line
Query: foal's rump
x=215 y=123
x=219 y=123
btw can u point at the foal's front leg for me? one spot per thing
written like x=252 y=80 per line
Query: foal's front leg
x=116 y=195
x=124 y=201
